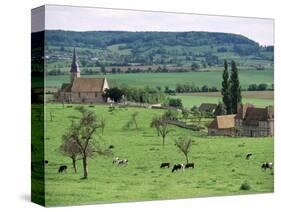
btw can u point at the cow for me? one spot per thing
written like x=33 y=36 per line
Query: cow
x=120 y=161
x=249 y=156
x=111 y=147
x=123 y=162
x=163 y=165
x=189 y=165
x=177 y=167
x=62 y=168
x=267 y=165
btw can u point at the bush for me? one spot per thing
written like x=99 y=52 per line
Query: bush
x=245 y=186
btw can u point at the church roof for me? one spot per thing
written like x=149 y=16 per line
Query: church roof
x=88 y=85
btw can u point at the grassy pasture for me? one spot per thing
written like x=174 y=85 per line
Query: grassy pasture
x=259 y=99
x=172 y=79
x=220 y=164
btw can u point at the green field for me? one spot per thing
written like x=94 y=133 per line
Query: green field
x=220 y=164
x=172 y=79
x=189 y=101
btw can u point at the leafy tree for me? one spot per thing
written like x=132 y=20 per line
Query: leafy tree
x=171 y=114
x=225 y=91
x=82 y=134
x=195 y=66
x=220 y=110
x=177 y=103
x=235 y=88
x=184 y=144
x=114 y=93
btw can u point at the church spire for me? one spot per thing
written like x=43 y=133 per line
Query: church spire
x=75 y=71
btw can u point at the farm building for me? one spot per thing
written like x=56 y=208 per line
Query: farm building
x=222 y=125
x=254 y=122
x=82 y=90
x=249 y=121
x=207 y=107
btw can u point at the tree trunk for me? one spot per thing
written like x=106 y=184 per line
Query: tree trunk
x=74 y=164
x=163 y=140
x=158 y=134
x=85 y=167
x=186 y=159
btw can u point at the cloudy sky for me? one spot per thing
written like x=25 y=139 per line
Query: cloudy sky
x=94 y=19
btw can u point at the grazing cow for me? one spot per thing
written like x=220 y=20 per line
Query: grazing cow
x=249 y=156
x=267 y=165
x=120 y=161
x=111 y=147
x=177 y=167
x=163 y=165
x=62 y=168
x=189 y=165
x=123 y=162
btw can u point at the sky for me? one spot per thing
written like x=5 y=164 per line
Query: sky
x=97 y=19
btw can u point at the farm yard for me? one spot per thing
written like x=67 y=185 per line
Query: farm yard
x=220 y=162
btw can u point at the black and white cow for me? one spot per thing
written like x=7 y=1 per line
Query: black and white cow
x=62 y=168
x=178 y=167
x=267 y=165
x=120 y=161
x=249 y=156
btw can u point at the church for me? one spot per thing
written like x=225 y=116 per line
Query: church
x=82 y=90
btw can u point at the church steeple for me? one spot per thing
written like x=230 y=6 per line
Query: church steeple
x=74 y=71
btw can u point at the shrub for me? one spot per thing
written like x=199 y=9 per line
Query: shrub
x=245 y=186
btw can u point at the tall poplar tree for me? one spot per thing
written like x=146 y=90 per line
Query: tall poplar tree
x=235 y=88
x=225 y=91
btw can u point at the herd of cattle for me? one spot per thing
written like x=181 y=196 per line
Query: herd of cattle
x=176 y=167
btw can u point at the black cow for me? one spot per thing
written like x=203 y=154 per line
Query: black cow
x=249 y=156
x=177 y=167
x=62 y=168
x=189 y=165
x=267 y=165
x=163 y=165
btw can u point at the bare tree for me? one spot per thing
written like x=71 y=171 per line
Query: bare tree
x=132 y=122
x=183 y=145
x=82 y=133
x=156 y=122
x=164 y=131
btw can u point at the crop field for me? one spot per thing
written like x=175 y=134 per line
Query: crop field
x=172 y=79
x=220 y=164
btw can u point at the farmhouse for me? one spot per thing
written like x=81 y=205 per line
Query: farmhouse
x=249 y=121
x=254 y=122
x=222 y=125
x=82 y=90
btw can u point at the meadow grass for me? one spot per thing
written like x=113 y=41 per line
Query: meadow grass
x=220 y=164
x=172 y=79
